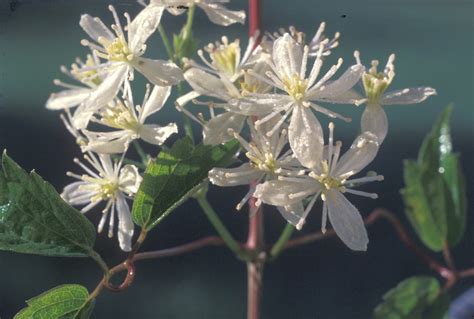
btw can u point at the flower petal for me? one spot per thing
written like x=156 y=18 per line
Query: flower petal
x=333 y=91
x=107 y=142
x=277 y=193
x=374 y=120
x=287 y=56
x=220 y=15
x=216 y=130
x=95 y=28
x=129 y=179
x=346 y=221
x=206 y=84
x=305 y=135
x=362 y=152
x=73 y=191
x=155 y=134
x=241 y=175
x=67 y=98
x=159 y=72
x=292 y=213
x=125 y=226
x=155 y=102
x=407 y=96
x=107 y=90
x=144 y=25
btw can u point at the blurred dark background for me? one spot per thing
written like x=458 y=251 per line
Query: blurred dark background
x=433 y=41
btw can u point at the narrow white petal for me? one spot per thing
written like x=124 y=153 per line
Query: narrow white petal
x=407 y=96
x=95 y=28
x=107 y=142
x=282 y=193
x=108 y=89
x=218 y=14
x=241 y=175
x=287 y=56
x=159 y=72
x=144 y=25
x=206 y=84
x=305 y=135
x=67 y=98
x=346 y=221
x=336 y=88
x=293 y=213
x=363 y=150
x=125 y=226
x=375 y=120
x=155 y=134
x=216 y=130
x=129 y=179
x=155 y=102
x=73 y=191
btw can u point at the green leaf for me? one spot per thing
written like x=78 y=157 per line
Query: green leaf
x=425 y=204
x=174 y=176
x=409 y=299
x=439 y=309
x=35 y=220
x=436 y=156
x=66 y=301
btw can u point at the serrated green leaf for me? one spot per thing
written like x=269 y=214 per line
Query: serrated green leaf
x=436 y=156
x=409 y=299
x=425 y=204
x=35 y=220
x=174 y=176
x=63 y=302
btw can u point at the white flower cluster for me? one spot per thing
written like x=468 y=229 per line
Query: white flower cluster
x=271 y=90
x=101 y=113
x=276 y=87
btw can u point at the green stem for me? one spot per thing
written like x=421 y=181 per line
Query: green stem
x=143 y=156
x=281 y=242
x=218 y=225
x=189 y=23
x=98 y=259
x=166 y=42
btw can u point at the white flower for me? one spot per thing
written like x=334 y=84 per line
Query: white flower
x=299 y=92
x=124 y=54
x=110 y=183
x=130 y=122
x=318 y=39
x=330 y=181
x=216 y=12
x=375 y=84
x=266 y=156
x=223 y=78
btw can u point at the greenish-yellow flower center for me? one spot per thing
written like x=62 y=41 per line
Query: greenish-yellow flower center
x=326 y=180
x=117 y=50
x=89 y=76
x=375 y=83
x=103 y=189
x=225 y=58
x=120 y=117
x=266 y=163
x=296 y=87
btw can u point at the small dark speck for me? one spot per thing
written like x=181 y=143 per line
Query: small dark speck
x=343 y=15
x=14 y=4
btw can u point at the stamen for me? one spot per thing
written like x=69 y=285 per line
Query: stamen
x=361 y=193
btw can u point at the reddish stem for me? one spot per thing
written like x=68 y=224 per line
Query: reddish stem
x=254 y=16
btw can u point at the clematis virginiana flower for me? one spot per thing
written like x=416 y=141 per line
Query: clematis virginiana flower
x=124 y=55
x=318 y=39
x=299 y=94
x=267 y=158
x=330 y=181
x=129 y=120
x=375 y=83
x=223 y=79
x=215 y=11
x=107 y=182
